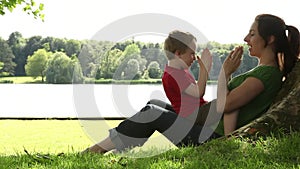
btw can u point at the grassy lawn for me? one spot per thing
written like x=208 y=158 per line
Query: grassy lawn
x=57 y=136
x=45 y=136
x=57 y=143
x=29 y=79
x=21 y=79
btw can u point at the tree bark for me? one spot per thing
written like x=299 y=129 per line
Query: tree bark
x=283 y=114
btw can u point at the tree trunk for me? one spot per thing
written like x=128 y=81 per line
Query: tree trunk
x=283 y=114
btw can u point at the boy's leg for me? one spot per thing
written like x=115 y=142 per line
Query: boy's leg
x=205 y=115
x=136 y=130
x=162 y=104
x=102 y=147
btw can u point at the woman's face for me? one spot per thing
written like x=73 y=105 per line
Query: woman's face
x=255 y=42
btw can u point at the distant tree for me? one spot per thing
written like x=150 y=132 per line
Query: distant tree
x=194 y=69
x=86 y=57
x=91 y=55
x=132 y=70
x=63 y=69
x=122 y=45
x=15 y=38
x=154 y=52
x=130 y=50
x=37 y=64
x=72 y=47
x=219 y=53
x=98 y=74
x=58 y=45
x=29 y=6
x=133 y=52
x=109 y=63
x=17 y=44
x=76 y=71
x=6 y=56
x=32 y=44
x=153 y=70
x=216 y=67
x=1 y=65
x=47 y=43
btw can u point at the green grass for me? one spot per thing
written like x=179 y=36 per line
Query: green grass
x=57 y=143
x=21 y=79
x=29 y=79
x=109 y=81
x=39 y=135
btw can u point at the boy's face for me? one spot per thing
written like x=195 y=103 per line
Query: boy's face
x=188 y=56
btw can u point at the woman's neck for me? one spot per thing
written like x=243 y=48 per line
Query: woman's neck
x=268 y=59
x=268 y=63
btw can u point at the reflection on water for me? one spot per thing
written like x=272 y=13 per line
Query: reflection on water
x=49 y=101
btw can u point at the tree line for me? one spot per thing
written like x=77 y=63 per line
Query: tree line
x=61 y=60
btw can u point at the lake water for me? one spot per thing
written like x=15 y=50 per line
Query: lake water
x=88 y=100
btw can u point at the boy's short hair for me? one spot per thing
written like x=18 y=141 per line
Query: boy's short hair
x=177 y=40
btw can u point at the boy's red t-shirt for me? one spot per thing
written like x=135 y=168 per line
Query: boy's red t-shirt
x=175 y=81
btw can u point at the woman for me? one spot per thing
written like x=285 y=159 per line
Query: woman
x=249 y=95
x=239 y=100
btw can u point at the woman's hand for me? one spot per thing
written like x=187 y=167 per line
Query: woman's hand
x=233 y=61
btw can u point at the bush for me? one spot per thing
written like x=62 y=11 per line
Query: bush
x=6 y=81
x=154 y=70
x=62 y=69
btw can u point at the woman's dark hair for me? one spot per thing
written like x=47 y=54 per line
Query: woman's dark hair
x=286 y=38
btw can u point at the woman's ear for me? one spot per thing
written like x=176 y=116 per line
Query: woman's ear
x=271 y=39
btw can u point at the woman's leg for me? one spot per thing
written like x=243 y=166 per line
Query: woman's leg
x=207 y=114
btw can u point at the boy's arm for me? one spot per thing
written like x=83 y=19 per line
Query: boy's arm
x=198 y=89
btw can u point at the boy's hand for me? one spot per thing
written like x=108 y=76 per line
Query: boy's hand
x=206 y=60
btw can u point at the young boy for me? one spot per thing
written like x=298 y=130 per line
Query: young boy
x=184 y=93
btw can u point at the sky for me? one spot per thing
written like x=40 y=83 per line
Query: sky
x=223 y=21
